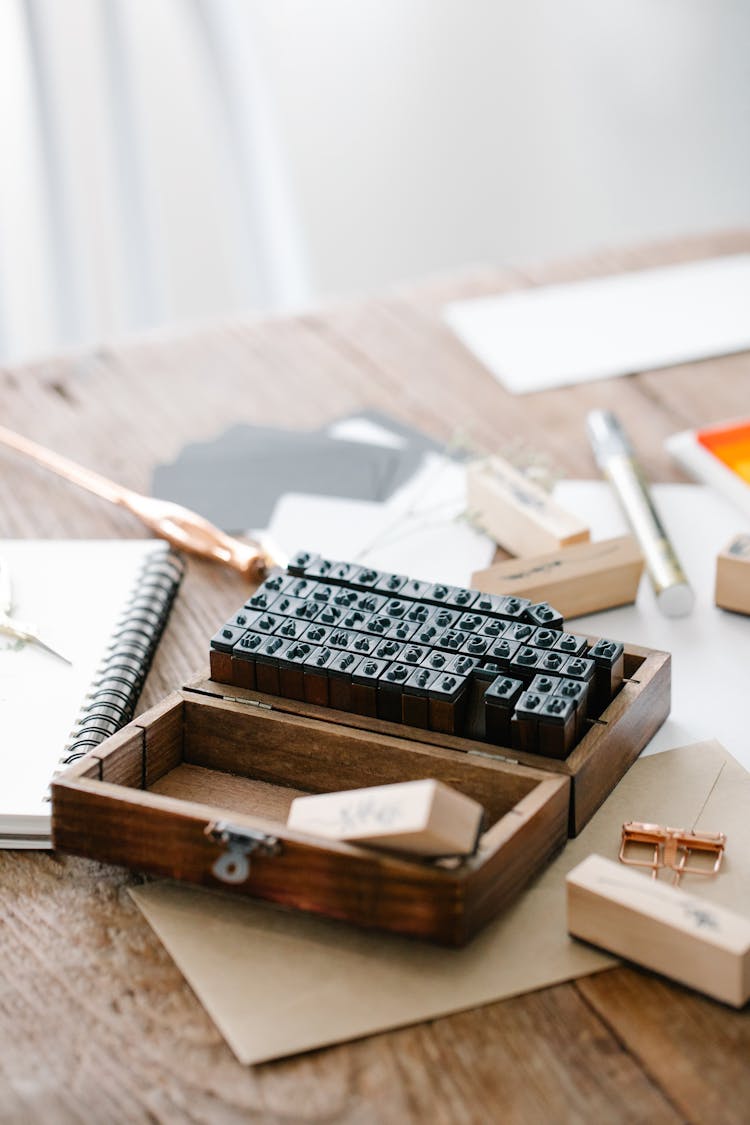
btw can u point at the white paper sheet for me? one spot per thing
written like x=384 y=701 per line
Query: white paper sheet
x=559 y=334
x=710 y=648
x=420 y=531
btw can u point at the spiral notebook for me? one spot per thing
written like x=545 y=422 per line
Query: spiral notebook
x=104 y=605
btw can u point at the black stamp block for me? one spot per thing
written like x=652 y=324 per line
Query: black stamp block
x=379 y=624
x=321 y=592
x=543 y=615
x=340 y=669
x=365 y=686
x=391 y=691
x=463 y=598
x=475 y=645
x=292 y=629
x=316 y=634
x=291 y=670
x=243 y=659
x=366 y=578
x=557 y=726
x=341 y=638
x=545 y=638
x=494 y=627
x=552 y=662
x=370 y=603
x=415 y=588
x=426 y=634
x=402 y=630
x=543 y=684
x=578 y=691
x=355 y=619
x=320 y=568
x=315 y=676
x=436 y=660
x=472 y=622
x=415 y=708
x=388 y=649
x=581 y=668
x=413 y=654
x=301 y=560
x=331 y=615
x=419 y=612
x=525 y=720
x=525 y=663
x=570 y=644
x=440 y=594
x=227 y=637
x=391 y=583
x=345 y=597
x=447 y=698
x=520 y=631
x=502 y=652
x=364 y=644
x=452 y=640
x=267 y=664
x=396 y=607
x=499 y=703
x=243 y=619
x=609 y=662
x=513 y=608
x=488 y=603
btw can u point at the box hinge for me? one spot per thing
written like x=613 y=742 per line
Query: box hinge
x=247 y=702
x=494 y=757
x=233 y=865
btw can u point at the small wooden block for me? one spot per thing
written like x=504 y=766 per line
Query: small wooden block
x=583 y=578
x=661 y=927
x=423 y=818
x=516 y=513
x=733 y=575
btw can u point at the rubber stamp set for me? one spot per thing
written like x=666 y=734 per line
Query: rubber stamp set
x=440 y=658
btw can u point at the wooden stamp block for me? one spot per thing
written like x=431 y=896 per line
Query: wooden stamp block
x=365 y=687
x=415 y=706
x=391 y=691
x=518 y=514
x=579 y=579
x=733 y=575
x=423 y=818
x=664 y=928
x=315 y=676
x=340 y=672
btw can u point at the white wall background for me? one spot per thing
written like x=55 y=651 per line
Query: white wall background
x=178 y=160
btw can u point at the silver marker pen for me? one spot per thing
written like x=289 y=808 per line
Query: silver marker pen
x=615 y=457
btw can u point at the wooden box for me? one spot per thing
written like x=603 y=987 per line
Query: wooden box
x=199 y=788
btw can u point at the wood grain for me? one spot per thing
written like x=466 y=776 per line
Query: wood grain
x=96 y=1022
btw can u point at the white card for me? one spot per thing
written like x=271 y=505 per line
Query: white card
x=421 y=531
x=555 y=335
x=710 y=646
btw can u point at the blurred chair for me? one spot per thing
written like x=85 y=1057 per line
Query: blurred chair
x=141 y=177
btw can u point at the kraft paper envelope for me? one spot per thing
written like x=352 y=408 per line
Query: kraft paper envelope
x=277 y=983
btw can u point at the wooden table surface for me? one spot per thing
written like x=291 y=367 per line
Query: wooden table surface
x=96 y=1022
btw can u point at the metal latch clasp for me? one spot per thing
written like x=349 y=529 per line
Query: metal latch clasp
x=233 y=865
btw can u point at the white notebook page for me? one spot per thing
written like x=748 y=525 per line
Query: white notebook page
x=75 y=592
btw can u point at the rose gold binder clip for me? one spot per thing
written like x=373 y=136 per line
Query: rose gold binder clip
x=678 y=849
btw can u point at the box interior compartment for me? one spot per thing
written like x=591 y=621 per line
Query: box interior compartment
x=152 y=797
